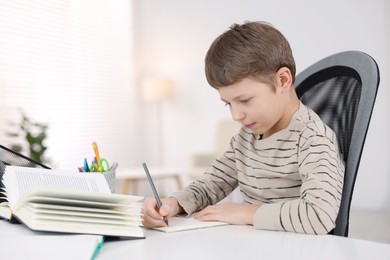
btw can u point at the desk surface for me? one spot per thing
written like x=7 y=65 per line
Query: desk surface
x=224 y=242
x=242 y=242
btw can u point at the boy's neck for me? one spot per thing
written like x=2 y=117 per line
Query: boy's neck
x=289 y=113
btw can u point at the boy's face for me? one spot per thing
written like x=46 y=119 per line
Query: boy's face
x=258 y=107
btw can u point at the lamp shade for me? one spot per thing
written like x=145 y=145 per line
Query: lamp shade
x=157 y=89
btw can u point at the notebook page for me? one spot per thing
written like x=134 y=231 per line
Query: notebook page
x=187 y=223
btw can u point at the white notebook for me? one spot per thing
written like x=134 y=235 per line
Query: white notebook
x=75 y=247
x=187 y=223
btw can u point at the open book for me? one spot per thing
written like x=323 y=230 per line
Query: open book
x=182 y=223
x=70 y=202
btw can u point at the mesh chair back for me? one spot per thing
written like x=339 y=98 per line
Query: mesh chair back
x=342 y=89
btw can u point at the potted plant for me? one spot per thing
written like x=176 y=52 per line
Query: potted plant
x=34 y=134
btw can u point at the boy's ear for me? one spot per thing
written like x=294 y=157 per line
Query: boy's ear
x=284 y=78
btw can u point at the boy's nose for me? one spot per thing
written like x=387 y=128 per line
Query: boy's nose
x=237 y=114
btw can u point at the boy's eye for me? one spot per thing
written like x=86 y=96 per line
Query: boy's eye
x=227 y=104
x=245 y=100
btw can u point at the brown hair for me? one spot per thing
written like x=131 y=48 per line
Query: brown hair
x=253 y=49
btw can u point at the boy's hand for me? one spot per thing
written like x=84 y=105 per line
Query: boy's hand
x=153 y=217
x=233 y=213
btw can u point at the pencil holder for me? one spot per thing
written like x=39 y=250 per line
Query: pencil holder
x=110 y=177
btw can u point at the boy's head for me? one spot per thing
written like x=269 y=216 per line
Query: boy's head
x=254 y=49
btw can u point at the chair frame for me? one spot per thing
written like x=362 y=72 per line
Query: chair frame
x=368 y=71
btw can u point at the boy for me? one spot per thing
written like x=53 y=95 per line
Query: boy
x=285 y=160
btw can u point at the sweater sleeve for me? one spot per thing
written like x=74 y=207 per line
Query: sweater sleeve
x=322 y=171
x=219 y=180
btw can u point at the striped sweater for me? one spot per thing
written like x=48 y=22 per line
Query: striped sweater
x=296 y=175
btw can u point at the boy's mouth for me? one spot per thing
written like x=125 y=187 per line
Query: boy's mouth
x=250 y=126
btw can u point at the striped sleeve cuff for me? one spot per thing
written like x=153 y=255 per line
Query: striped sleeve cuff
x=267 y=217
x=185 y=201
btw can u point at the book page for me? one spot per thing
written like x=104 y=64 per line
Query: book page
x=187 y=223
x=19 y=180
x=92 y=200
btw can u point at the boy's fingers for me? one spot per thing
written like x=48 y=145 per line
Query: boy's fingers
x=151 y=209
x=164 y=210
x=150 y=202
x=150 y=222
x=152 y=216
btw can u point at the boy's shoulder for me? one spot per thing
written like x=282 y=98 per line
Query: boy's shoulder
x=309 y=123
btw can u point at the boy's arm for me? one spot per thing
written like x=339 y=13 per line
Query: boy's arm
x=219 y=180
x=315 y=211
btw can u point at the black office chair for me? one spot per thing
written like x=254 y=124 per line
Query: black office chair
x=342 y=89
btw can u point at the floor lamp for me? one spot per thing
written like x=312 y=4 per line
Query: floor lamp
x=157 y=91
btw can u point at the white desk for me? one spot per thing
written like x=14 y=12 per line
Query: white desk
x=224 y=242
x=242 y=243
x=131 y=176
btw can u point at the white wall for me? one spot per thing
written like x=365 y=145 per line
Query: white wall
x=68 y=64
x=172 y=37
